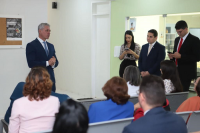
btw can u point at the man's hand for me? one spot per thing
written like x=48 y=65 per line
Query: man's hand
x=176 y=55
x=170 y=56
x=52 y=61
x=142 y=73
x=146 y=73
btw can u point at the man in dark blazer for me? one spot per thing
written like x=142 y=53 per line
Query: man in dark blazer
x=186 y=54
x=156 y=119
x=39 y=52
x=151 y=55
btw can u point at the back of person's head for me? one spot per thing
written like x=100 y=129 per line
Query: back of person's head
x=132 y=75
x=116 y=89
x=154 y=32
x=38 y=84
x=181 y=25
x=197 y=86
x=153 y=90
x=129 y=32
x=169 y=71
x=71 y=118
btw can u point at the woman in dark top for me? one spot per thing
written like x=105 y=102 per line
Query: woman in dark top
x=129 y=52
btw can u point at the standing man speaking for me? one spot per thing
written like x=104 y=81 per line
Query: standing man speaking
x=39 y=52
x=186 y=54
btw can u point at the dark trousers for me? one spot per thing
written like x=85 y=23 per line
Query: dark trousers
x=185 y=83
x=124 y=64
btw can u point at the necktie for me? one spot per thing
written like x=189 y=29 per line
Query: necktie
x=150 y=46
x=45 y=48
x=179 y=47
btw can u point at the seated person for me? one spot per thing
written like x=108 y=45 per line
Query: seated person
x=116 y=106
x=192 y=103
x=132 y=77
x=35 y=111
x=170 y=77
x=71 y=118
x=139 y=112
x=156 y=119
x=18 y=93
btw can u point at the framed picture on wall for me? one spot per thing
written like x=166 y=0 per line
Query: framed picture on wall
x=12 y=31
x=132 y=24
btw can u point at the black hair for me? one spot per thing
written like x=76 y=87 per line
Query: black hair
x=155 y=33
x=132 y=75
x=71 y=118
x=153 y=88
x=181 y=25
x=169 y=71
x=198 y=88
x=129 y=32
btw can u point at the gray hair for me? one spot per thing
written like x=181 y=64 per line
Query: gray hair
x=132 y=75
x=41 y=26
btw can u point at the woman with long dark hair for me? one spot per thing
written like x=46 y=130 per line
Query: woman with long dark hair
x=129 y=52
x=170 y=77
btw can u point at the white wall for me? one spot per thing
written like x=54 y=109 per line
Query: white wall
x=71 y=36
x=144 y=24
x=14 y=68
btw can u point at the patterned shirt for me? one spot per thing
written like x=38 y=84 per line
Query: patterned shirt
x=132 y=57
x=169 y=87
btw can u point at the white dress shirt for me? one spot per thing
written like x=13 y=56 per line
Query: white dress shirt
x=151 y=47
x=41 y=41
x=183 y=40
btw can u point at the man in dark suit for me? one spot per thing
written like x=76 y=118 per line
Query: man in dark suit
x=186 y=54
x=39 y=52
x=156 y=119
x=151 y=55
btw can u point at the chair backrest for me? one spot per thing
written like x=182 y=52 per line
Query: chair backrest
x=176 y=99
x=5 y=125
x=184 y=115
x=47 y=131
x=87 y=103
x=134 y=99
x=193 y=122
x=114 y=126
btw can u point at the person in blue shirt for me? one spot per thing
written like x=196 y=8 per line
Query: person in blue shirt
x=116 y=106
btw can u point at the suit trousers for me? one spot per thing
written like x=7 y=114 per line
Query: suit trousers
x=185 y=83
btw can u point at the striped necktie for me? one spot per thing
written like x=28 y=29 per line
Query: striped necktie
x=45 y=48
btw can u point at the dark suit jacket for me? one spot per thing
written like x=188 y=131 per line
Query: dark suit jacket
x=157 y=120
x=36 y=56
x=151 y=63
x=18 y=93
x=190 y=54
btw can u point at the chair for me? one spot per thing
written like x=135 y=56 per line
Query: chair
x=184 y=115
x=176 y=99
x=134 y=99
x=87 y=103
x=47 y=131
x=4 y=125
x=113 y=126
x=193 y=124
